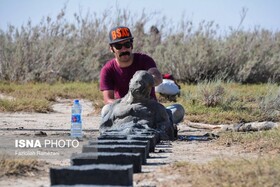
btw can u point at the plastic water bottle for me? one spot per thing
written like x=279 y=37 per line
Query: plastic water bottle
x=76 y=120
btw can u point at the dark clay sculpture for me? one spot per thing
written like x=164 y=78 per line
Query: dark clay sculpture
x=137 y=112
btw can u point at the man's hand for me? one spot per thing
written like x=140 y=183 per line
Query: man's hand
x=108 y=96
x=157 y=76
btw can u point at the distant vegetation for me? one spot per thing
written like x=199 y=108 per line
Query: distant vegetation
x=59 y=50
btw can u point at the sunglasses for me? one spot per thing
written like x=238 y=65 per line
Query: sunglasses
x=118 y=46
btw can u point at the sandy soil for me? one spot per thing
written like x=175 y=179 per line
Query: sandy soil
x=57 y=123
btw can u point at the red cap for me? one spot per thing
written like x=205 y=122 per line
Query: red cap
x=168 y=76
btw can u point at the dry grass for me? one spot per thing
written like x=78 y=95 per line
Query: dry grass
x=20 y=167
x=209 y=102
x=262 y=169
x=38 y=97
x=217 y=102
x=260 y=172
x=262 y=142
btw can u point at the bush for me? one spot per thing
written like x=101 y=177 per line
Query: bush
x=58 y=50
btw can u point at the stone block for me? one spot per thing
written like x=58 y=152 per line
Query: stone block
x=121 y=142
x=112 y=137
x=119 y=148
x=109 y=158
x=99 y=174
x=151 y=138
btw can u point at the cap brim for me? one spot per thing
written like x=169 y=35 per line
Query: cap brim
x=120 y=40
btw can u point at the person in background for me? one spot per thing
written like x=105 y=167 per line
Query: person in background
x=116 y=74
x=169 y=88
x=170 y=77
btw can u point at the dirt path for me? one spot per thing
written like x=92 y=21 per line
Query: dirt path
x=28 y=124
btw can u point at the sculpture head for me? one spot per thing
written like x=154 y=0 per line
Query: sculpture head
x=141 y=84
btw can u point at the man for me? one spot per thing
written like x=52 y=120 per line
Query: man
x=116 y=73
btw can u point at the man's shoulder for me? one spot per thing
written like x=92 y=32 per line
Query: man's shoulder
x=141 y=55
x=109 y=64
x=144 y=59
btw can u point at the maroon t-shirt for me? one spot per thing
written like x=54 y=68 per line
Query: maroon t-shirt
x=113 y=77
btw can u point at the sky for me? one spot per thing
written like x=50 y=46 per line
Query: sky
x=226 y=13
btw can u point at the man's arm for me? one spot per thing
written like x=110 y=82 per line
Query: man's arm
x=108 y=96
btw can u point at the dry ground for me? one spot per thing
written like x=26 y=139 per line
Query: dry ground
x=155 y=173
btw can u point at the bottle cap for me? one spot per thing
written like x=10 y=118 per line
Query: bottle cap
x=76 y=101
